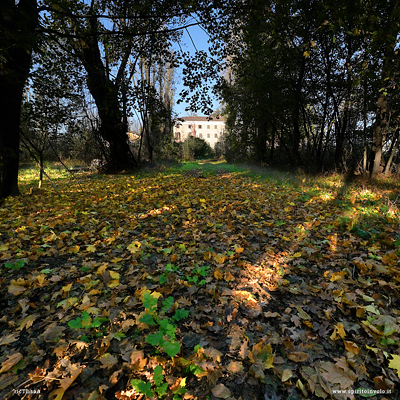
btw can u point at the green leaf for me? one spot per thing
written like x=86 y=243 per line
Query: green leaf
x=167 y=303
x=194 y=369
x=75 y=323
x=86 y=320
x=180 y=313
x=149 y=301
x=155 y=339
x=142 y=387
x=162 y=390
x=147 y=319
x=158 y=375
x=46 y=271
x=119 y=335
x=171 y=348
x=167 y=328
x=181 y=389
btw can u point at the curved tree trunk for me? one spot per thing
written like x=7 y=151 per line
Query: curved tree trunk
x=113 y=127
x=17 y=38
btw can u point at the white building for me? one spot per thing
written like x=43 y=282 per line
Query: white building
x=211 y=129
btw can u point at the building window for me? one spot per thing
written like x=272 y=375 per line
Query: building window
x=201 y=136
x=189 y=126
x=208 y=135
x=216 y=135
x=199 y=126
x=215 y=126
x=208 y=126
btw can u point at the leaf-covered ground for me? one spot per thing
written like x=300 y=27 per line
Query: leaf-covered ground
x=211 y=283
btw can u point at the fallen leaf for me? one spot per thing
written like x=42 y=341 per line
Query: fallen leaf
x=221 y=391
x=10 y=362
x=286 y=375
x=298 y=356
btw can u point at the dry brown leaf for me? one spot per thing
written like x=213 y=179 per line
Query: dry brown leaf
x=298 y=356
x=16 y=289
x=213 y=353
x=108 y=360
x=221 y=391
x=244 y=349
x=351 y=347
x=234 y=367
x=11 y=338
x=7 y=380
x=10 y=362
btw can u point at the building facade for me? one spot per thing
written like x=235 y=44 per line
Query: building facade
x=211 y=129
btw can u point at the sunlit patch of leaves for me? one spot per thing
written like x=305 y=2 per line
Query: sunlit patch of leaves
x=192 y=283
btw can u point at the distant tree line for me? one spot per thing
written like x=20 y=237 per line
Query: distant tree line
x=311 y=84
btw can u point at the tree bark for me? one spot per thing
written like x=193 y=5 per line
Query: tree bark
x=113 y=128
x=17 y=39
x=379 y=134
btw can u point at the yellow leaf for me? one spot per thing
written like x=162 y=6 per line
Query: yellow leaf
x=134 y=247
x=91 y=248
x=338 y=332
x=306 y=54
x=228 y=277
x=114 y=283
x=351 y=347
x=337 y=276
x=114 y=275
x=4 y=247
x=312 y=43
x=67 y=288
x=219 y=258
x=218 y=275
x=102 y=269
x=41 y=279
x=74 y=250
x=239 y=250
x=394 y=364
x=286 y=375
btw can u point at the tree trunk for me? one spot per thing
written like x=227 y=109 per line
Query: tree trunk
x=17 y=38
x=393 y=150
x=113 y=129
x=379 y=134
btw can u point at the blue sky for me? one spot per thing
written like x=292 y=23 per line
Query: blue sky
x=199 y=38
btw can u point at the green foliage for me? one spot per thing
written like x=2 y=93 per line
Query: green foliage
x=195 y=277
x=160 y=387
x=86 y=321
x=194 y=147
x=164 y=338
x=17 y=265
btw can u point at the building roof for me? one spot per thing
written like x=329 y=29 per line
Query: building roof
x=196 y=118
